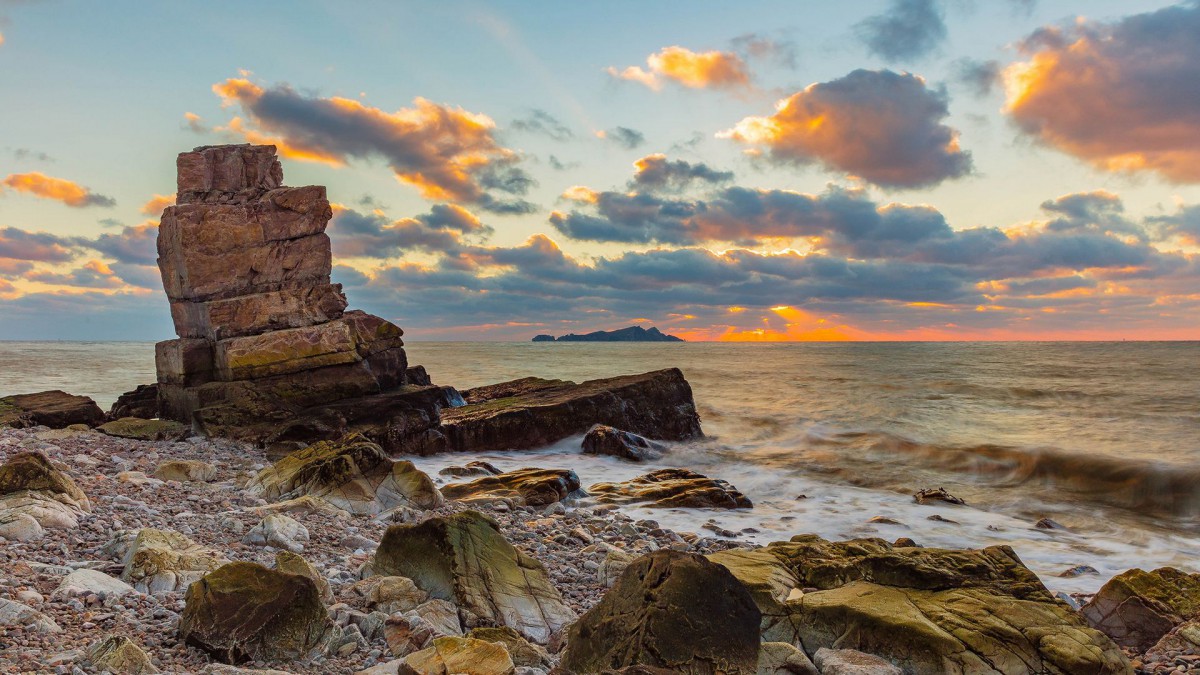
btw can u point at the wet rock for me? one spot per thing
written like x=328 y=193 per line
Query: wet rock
x=464 y=559
x=161 y=561
x=243 y=611
x=1078 y=571
x=605 y=440
x=287 y=561
x=851 y=662
x=522 y=652
x=145 y=430
x=55 y=409
x=279 y=531
x=1136 y=608
x=1048 y=524
x=669 y=610
x=17 y=614
x=673 y=488
x=119 y=655
x=447 y=655
x=781 y=658
x=533 y=412
x=475 y=468
x=186 y=471
x=351 y=473
x=936 y=496
x=523 y=487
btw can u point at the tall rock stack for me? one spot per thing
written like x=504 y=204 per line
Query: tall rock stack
x=262 y=332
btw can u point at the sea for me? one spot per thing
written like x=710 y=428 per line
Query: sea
x=1102 y=438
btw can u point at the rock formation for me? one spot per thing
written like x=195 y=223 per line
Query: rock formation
x=671 y=489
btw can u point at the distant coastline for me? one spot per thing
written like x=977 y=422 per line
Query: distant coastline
x=630 y=334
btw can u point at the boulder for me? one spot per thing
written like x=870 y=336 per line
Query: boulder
x=390 y=594
x=407 y=633
x=672 y=488
x=605 y=440
x=351 y=473
x=243 y=611
x=186 y=471
x=669 y=610
x=923 y=609
x=55 y=409
x=286 y=561
x=141 y=402
x=162 y=561
x=145 y=430
x=851 y=662
x=533 y=412
x=523 y=487
x=440 y=614
x=84 y=582
x=304 y=504
x=119 y=655
x=781 y=658
x=17 y=508
x=17 y=614
x=33 y=472
x=279 y=531
x=770 y=583
x=1136 y=608
x=464 y=559
x=19 y=526
x=449 y=655
x=936 y=496
x=473 y=468
x=1183 y=639
x=523 y=653
x=610 y=569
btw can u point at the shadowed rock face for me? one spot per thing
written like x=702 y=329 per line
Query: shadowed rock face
x=669 y=610
x=1136 y=607
x=54 y=409
x=464 y=559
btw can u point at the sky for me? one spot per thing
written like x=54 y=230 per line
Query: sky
x=876 y=170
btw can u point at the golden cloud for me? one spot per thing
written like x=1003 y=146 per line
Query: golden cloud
x=157 y=203
x=695 y=70
x=58 y=189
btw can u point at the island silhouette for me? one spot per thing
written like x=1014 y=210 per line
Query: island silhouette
x=630 y=334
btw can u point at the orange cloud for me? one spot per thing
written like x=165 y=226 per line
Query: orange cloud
x=696 y=70
x=157 y=203
x=58 y=189
x=1118 y=96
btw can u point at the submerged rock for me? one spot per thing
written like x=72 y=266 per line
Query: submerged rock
x=55 y=409
x=673 y=488
x=1136 y=608
x=936 y=495
x=524 y=487
x=351 y=473
x=669 y=610
x=464 y=559
x=243 y=611
x=605 y=440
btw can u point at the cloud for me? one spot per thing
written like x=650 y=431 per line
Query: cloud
x=157 y=203
x=756 y=45
x=447 y=153
x=883 y=126
x=695 y=70
x=542 y=122
x=444 y=229
x=1121 y=96
x=979 y=77
x=22 y=154
x=1184 y=224
x=35 y=246
x=12 y=269
x=658 y=172
x=908 y=30
x=134 y=245
x=93 y=274
x=194 y=123
x=630 y=139
x=58 y=189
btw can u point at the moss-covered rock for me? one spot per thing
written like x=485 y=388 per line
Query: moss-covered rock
x=32 y=471
x=351 y=473
x=243 y=611
x=524 y=487
x=286 y=561
x=464 y=559
x=673 y=488
x=770 y=583
x=1136 y=608
x=119 y=655
x=669 y=610
x=145 y=430
x=161 y=561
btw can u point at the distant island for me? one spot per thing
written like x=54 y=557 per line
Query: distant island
x=631 y=334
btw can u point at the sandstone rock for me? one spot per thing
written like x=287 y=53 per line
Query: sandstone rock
x=286 y=561
x=605 y=440
x=19 y=526
x=390 y=594
x=243 y=611
x=352 y=474
x=447 y=655
x=259 y=312
x=227 y=173
x=186 y=471
x=225 y=669
x=55 y=409
x=673 y=488
x=161 y=561
x=145 y=430
x=464 y=559
x=47 y=511
x=524 y=487
x=407 y=633
x=474 y=468
x=305 y=504
x=120 y=655
x=1136 y=608
x=86 y=582
x=669 y=610
x=770 y=583
x=612 y=566
x=851 y=662
x=141 y=402
x=279 y=531
x=522 y=652
x=441 y=614
x=533 y=412
x=16 y=614
x=31 y=471
x=781 y=658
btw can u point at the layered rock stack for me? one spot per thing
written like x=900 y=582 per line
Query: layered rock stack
x=245 y=262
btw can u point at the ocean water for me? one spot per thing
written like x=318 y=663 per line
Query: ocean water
x=1103 y=438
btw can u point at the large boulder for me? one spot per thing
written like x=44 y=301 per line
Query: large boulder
x=55 y=409
x=673 y=488
x=524 y=487
x=669 y=610
x=602 y=439
x=243 y=611
x=922 y=609
x=351 y=473
x=35 y=495
x=33 y=472
x=464 y=559
x=1136 y=608
x=533 y=412
x=162 y=561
